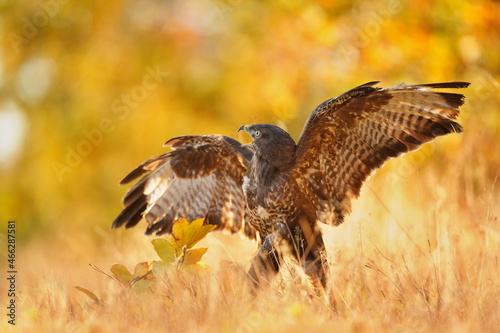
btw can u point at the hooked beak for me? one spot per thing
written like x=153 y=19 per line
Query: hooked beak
x=246 y=128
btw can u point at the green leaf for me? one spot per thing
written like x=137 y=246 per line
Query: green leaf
x=188 y=234
x=193 y=256
x=122 y=274
x=165 y=250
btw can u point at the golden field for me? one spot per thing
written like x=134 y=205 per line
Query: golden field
x=90 y=90
x=420 y=257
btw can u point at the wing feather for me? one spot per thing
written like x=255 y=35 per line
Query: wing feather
x=347 y=138
x=201 y=177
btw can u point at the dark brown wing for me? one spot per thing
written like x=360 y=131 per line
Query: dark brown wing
x=201 y=177
x=346 y=138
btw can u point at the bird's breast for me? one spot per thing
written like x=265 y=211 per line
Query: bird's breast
x=262 y=212
x=269 y=202
x=273 y=209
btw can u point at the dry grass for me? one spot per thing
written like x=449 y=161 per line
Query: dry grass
x=420 y=255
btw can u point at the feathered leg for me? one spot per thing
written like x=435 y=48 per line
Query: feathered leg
x=310 y=251
x=266 y=264
x=306 y=245
x=315 y=265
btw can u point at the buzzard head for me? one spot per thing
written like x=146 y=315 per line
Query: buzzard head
x=272 y=144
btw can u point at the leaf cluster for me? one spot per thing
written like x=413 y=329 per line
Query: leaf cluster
x=176 y=253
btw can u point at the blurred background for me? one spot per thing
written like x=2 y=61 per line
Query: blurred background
x=91 y=89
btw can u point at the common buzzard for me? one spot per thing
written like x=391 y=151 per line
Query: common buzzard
x=277 y=190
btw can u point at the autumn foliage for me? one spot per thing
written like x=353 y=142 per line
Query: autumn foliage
x=90 y=89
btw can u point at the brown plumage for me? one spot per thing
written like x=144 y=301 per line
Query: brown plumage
x=281 y=190
x=200 y=177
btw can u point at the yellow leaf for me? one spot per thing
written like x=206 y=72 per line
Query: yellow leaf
x=122 y=274
x=199 y=231
x=179 y=230
x=198 y=268
x=143 y=277
x=141 y=269
x=188 y=234
x=193 y=256
x=144 y=282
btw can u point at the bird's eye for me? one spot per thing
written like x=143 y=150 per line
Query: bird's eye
x=256 y=134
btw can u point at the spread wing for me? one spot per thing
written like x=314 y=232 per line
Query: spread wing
x=201 y=177
x=346 y=138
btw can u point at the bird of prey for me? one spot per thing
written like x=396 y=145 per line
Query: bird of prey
x=276 y=190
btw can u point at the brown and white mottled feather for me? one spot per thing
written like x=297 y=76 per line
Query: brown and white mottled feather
x=200 y=178
x=346 y=138
x=283 y=187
